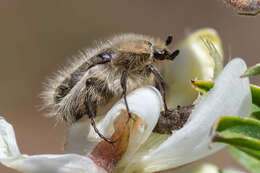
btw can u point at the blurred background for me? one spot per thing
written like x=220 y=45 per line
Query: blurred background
x=37 y=37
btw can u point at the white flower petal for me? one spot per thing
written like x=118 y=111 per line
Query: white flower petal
x=10 y=156
x=76 y=139
x=207 y=168
x=66 y=163
x=230 y=96
x=8 y=145
x=146 y=103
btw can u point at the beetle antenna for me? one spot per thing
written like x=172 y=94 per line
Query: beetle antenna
x=173 y=55
x=168 y=40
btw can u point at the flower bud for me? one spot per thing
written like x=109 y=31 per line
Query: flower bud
x=201 y=57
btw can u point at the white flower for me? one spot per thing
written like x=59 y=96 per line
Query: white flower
x=138 y=150
x=209 y=168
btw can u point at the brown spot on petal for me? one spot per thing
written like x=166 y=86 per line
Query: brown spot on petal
x=107 y=155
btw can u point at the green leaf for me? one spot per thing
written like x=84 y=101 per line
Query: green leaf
x=202 y=86
x=250 y=163
x=252 y=71
x=243 y=133
x=205 y=86
x=255 y=112
x=255 y=90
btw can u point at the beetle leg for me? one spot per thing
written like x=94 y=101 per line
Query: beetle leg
x=92 y=113
x=124 y=87
x=91 y=116
x=162 y=84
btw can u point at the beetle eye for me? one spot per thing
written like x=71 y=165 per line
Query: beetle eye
x=107 y=55
x=104 y=56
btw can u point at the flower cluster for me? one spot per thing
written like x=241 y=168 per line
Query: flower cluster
x=138 y=149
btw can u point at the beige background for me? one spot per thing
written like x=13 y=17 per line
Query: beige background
x=36 y=37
